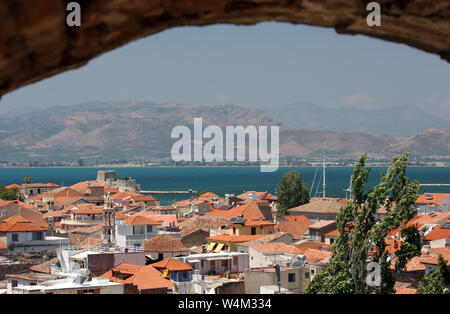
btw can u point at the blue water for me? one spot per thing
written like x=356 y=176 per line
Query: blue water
x=219 y=180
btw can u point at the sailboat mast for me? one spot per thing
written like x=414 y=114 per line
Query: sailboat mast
x=324 y=166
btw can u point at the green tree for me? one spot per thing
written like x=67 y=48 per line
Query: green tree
x=292 y=192
x=361 y=233
x=27 y=180
x=8 y=194
x=437 y=282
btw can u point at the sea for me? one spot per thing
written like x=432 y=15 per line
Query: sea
x=223 y=180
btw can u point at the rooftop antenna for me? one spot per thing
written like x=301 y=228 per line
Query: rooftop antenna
x=324 y=166
x=314 y=179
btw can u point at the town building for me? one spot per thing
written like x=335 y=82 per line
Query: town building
x=23 y=236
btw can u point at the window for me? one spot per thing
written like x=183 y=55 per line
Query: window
x=253 y=232
x=38 y=236
x=307 y=275
x=313 y=272
x=15 y=237
x=291 y=277
x=14 y=283
x=139 y=229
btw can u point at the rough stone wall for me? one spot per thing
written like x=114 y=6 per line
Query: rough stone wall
x=35 y=41
x=8 y=269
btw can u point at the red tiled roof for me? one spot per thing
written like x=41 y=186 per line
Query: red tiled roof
x=83 y=186
x=420 y=220
x=234 y=238
x=256 y=223
x=86 y=209
x=120 y=215
x=405 y=291
x=44 y=267
x=172 y=264
x=249 y=211
x=169 y=220
x=445 y=252
x=143 y=198
x=56 y=214
x=295 y=228
x=294 y=218
x=438 y=232
x=143 y=277
x=15 y=219
x=20 y=227
x=123 y=195
x=302 y=247
x=321 y=224
x=437 y=198
x=12 y=186
x=320 y=205
x=210 y=194
x=164 y=243
x=334 y=233
x=275 y=247
x=316 y=256
x=140 y=220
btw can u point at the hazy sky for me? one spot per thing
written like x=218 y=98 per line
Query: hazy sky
x=268 y=64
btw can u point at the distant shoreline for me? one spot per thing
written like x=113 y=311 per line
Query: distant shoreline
x=214 y=166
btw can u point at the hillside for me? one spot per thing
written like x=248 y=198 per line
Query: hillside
x=401 y=120
x=140 y=130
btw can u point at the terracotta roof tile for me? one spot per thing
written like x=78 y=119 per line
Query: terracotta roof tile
x=164 y=243
x=143 y=277
x=140 y=220
x=439 y=232
x=234 y=238
x=295 y=228
x=20 y=227
x=437 y=198
x=250 y=211
x=172 y=264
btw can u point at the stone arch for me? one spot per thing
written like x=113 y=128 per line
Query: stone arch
x=36 y=43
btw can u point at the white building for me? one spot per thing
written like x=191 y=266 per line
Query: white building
x=216 y=263
x=28 y=238
x=132 y=232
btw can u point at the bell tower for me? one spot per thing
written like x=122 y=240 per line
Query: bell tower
x=109 y=221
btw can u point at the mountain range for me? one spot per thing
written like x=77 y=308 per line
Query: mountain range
x=141 y=130
x=399 y=120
